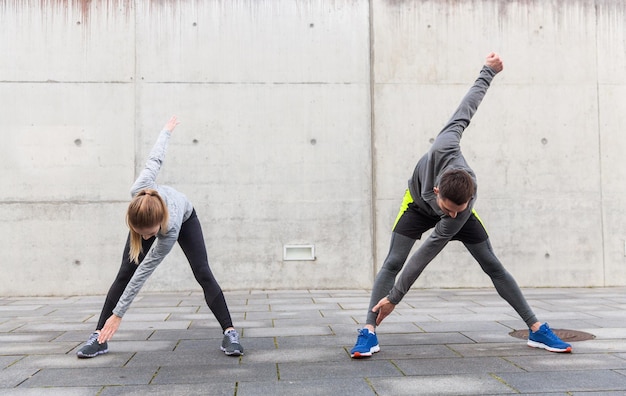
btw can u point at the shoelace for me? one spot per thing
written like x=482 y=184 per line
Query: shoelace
x=362 y=338
x=92 y=339
x=550 y=334
x=233 y=337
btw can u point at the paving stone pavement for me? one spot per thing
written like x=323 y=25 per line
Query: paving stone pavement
x=437 y=342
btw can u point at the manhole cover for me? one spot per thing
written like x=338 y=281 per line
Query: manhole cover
x=565 y=335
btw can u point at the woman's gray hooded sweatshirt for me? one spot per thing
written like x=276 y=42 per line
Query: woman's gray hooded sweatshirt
x=179 y=209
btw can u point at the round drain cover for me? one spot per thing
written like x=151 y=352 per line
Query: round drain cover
x=565 y=335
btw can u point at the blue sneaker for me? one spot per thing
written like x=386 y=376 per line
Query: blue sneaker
x=366 y=344
x=546 y=339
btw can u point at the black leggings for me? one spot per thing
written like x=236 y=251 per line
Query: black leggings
x=191 y=242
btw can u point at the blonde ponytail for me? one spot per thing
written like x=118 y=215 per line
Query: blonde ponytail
x=146 y=210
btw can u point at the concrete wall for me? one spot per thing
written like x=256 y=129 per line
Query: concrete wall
x=300 y=123
x=546 y=143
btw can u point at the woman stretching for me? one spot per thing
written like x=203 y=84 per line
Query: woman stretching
x=158 y=217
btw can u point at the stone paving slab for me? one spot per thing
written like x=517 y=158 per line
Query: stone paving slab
x=441 y=385
x=421 y=351
x=311 y=314
x=12 y=377
x=420 y=338
x=299 y=355
x=490 y=337
x=347 y=369
x=455 y=366
x=15 y=348
x=56 y=391
x=198 y=357
x=451 y=341
x=570 y=362
x=88 y=376
x=212 y=389
x=317 y=387
x=183 y=334
x=329 y=341
x=565 y=381
x=482 y=325
x=133 y=346
x=7 y=360
x=301 y=331
x=390 y=328
x=518 y=348
x=124 y=334
x=215 y=373
x=50 y=326
x=29 y=337
x=62 y=361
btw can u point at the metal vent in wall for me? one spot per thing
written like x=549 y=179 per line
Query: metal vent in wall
x=298 y=252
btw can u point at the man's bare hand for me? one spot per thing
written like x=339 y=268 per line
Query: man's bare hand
x=384 y=308
x=494 y=62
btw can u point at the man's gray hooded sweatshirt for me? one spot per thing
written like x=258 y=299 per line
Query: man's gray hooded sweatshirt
x=179 y=209
x=445 y=154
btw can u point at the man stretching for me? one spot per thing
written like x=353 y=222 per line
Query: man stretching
x=441 y=194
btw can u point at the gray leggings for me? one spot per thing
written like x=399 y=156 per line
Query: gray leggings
x=483 y=253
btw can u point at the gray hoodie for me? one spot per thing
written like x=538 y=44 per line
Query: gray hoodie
x=179 y=209
x=445 y=154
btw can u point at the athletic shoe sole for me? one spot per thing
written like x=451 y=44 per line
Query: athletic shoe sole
x=359 y=355
x=535 y=344
x=83 y=356
x=233 y=353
